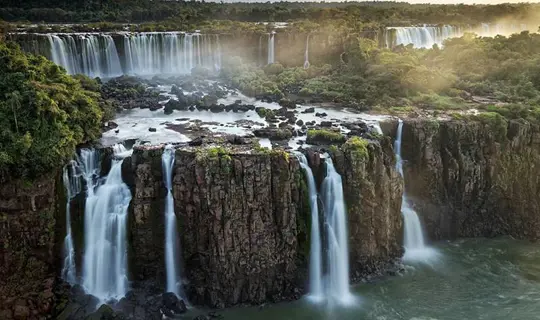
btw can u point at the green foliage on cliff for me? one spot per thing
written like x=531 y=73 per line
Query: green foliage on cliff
x=249 y=79
x=356 y=146
x=347 y=16
x=44 y=114
x=324 y=136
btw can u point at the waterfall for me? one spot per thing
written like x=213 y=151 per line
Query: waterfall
x=99 y=55
x=72 y=183
x=315 y=251
x=172 y=253
x=414 y=243
x=306 y=54
x=271 y=47
x=337 y=286
x=105 y=256
x=426 y=36
x=261 y=58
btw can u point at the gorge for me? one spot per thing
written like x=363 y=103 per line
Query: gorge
x=318 y=168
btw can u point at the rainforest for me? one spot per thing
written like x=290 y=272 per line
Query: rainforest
x=287 y=160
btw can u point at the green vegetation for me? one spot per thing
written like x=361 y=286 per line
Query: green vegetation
x=44 y=114
x=349 y=16
x=324 y=136
x=357 y=146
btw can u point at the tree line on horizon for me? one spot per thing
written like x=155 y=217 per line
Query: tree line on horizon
x=136 y=11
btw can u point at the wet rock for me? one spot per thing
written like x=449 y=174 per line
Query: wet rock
x=188 y=86
x=287 y=103
x=309 y=110
x=299 y=122
x=196 y=142
x=174 y=105
x=152 y=129
x=321 y=114
x=155 y=107
x=217 y=108
x=208 y=100
x=273 y=133
x=176 y=91
x=171 y=302
x=326 y=124
x=234 y=139
x=104 y=312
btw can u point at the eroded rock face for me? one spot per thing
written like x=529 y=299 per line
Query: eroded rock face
x=239 y=230
x=470 y=179
x=28 y=232
x=372 y=189
x=147 y=220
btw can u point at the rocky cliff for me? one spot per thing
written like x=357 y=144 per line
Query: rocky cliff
x=28 y=234
x=239 y=216
x=372 y=189
x=474 y=178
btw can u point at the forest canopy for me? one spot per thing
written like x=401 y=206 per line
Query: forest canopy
x=44 y=114
x=195 y=12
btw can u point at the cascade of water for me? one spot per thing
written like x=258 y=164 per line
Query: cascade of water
x=306 y=54
x=337 y=286
x=414 y=243
x=271 y=47
x=72 y=183
x=261 y=61
x=97 y=55
x=315 y=252
x=105 y=254
x=59 y=54
x=172 y=252
x=427 y=36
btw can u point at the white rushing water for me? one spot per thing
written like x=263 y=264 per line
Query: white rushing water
x=306 y=54
x=73 y=186
x=271 y=58
x=315 y=251
x=172 y=253
x=337 y=278
x=414 y=243
x=98 y=55
x=105 y=256
x=89 y=54
x=426 y=36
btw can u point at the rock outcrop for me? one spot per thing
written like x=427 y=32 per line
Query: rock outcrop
x=239 y=217
x=147 y=220
x=474 y=178
x=372 y=189
x=28 y=235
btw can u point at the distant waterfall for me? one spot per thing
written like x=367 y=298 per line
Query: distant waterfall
x=115 y=54
x=89 y=54
x=414 y=243
x=105 y=256
x=172 y=252
x=261 y=57
x=315 y=251
x=73 y=185
x=426 y=36
x=337 y=286
x=306 y=54
x=271 y=58
x=176 y=53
